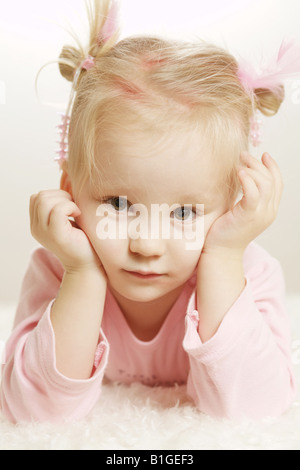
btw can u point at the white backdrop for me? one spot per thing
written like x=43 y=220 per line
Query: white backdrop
x=31 y=35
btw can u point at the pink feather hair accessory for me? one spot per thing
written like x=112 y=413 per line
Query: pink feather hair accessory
x=284 y=66
x=111 y=24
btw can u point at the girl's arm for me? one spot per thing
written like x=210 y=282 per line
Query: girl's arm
x=240 y=359
x=220 y=276
x=56 y=355
x=32 y=388
x=245 y=369
x=76 y=317
x=77 y=311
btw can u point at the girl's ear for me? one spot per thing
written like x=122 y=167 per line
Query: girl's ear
x=65 y=183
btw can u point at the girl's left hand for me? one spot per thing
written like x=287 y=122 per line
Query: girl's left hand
x=262 y=189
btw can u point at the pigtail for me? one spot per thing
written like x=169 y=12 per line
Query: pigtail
x=69 y=61
x=268 y=101
x=266 y=84
x=103 y=34
x=104 y=31
x=74 y=62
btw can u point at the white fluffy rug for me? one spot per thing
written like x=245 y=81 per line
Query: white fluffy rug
x=142 y=418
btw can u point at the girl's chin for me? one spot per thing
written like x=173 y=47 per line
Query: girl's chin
x=143 y=293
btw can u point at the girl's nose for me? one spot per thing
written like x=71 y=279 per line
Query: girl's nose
x=147 y=247
x=146 y=234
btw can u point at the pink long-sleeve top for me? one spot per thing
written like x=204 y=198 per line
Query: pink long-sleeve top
x=244 y=370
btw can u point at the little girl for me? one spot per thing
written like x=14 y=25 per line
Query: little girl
x=154 y=123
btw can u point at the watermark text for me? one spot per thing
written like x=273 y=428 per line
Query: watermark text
x=175 y=222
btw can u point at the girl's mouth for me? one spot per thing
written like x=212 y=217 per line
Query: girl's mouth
x=144 y=275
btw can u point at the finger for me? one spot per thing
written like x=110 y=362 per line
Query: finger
x=267 y=166
x=265 y=184
x=254 y=164
x=39 y=212
x=274 y=169
x=44 y=203
x=32 y=204
x=251 y=195
x=54 y=193
x=32 y=211
x=271 y=185
x=59 y=215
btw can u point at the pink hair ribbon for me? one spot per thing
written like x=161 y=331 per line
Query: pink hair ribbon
x=285 y=65
x=111 y=24
x=88 y=63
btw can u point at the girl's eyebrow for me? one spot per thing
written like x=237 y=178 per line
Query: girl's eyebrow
x=192 y=197
x=197 y=198
x=183 y=198
x=102 y=190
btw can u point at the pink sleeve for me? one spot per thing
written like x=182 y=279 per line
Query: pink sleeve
x=32 y=389
x=245 y=369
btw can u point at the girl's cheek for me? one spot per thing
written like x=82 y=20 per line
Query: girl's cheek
x=185 y=253
x=101 y=234
x=110 y=227
x=110 y=252
x=192 y=236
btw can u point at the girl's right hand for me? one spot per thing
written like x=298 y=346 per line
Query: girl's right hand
x=50 y=225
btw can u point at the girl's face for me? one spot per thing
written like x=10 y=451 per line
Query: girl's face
x=136 y=220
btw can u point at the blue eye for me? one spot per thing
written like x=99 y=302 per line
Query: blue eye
x=118 y=203
x=184 y=214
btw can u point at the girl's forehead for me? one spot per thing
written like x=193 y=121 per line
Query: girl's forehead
x=139 y=153
x=177 y=170
x=174 y=158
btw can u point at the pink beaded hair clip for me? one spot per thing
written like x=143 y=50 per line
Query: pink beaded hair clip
x=109 y=28
x=63 y=128
x=285 y=65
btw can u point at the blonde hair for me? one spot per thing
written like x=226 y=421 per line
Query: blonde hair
x=151 y=84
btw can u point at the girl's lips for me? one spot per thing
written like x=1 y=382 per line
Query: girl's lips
x=143 y=275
